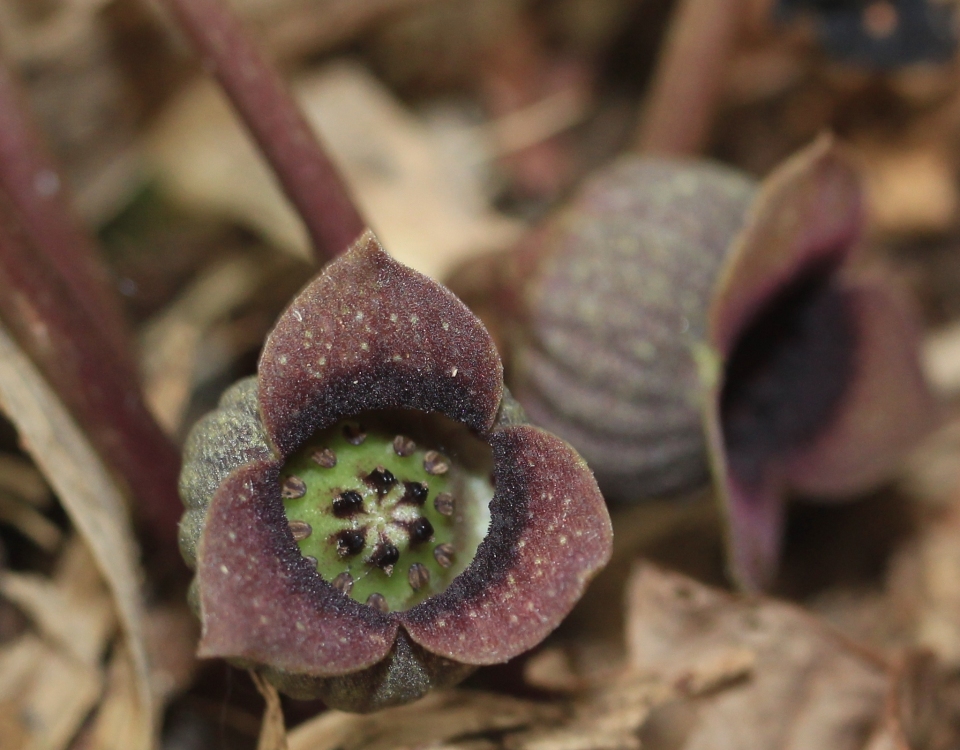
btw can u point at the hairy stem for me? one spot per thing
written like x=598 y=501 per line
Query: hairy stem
x=76 y=355
x=259 y=94
x=32 y=183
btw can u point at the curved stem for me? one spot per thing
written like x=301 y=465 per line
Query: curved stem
x=76 y=356
x=32 y=183
x=259 y=94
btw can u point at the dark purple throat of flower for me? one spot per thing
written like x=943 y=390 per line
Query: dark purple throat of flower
x=788 y=372
x=386 y=514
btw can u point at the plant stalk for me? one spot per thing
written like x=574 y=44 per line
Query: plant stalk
x=689 y=79
x=261 y=97
x=30 y=180
x=78 y=358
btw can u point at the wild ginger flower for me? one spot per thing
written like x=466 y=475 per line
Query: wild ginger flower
x=370 y=517
x=677 y=319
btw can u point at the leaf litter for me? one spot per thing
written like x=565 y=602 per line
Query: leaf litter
x=97 y=510
x=85 y=662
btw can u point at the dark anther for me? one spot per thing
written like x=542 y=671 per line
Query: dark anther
x=404 y=446
x=421 y=530
x=347 y=503
x=300 y=530
x=380 y=480
x=350 y=542
x=385 y=556
x=435 y=463
x=418 y=576
x=324 y=457
x=312 y=560
x=378 y=601
x=443 y=554
x=444 y=503
x=343 y=582
x=415 y=493
x=293 y=487
x=354 y=434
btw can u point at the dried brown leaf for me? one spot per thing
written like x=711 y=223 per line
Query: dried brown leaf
x=79 y=625
x=170 y=342
x=439 y=719
x=273 y=732
x=401 y=179
x=21 y=478
x=924 y=584
x=779 y=677
x=606 y=718
x=119 y=718
x=49 y=692
x=29 y=521
x=911 y=188
x=88 y=494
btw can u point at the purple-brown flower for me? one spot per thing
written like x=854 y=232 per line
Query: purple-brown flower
x=370 y=517
x=677 y=319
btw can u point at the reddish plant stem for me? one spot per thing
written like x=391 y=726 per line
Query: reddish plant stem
x=77 y=358
x=32 y=183
x=689 y=78
x=259 y=94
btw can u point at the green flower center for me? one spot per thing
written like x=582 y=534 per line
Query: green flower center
x=388 y=519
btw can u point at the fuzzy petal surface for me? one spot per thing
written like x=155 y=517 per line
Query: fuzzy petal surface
x=370 y=333
x=888 y=408
x=808 y=212
x=550 y=534
x=262 y=602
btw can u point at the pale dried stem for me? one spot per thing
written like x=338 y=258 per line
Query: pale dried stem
x=259 y=94
x=689 y=79
x=30 y=180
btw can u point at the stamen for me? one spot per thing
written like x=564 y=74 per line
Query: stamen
x=354 y=434
x=385 y=556
x=434 y=463
x=380 y=480
x=310 y=559
x=347 y=503
x=404 y=446
x=415 y=493
x=445 y=504
x=378 y=601
x=418 y=576
x=293 y=487
x=421 y=530
x=324 y=457
x=300 y=530
x=350 y=542
x=343 y=582
x=444 y=554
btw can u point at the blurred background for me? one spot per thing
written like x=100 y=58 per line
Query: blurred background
x=458 y=125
